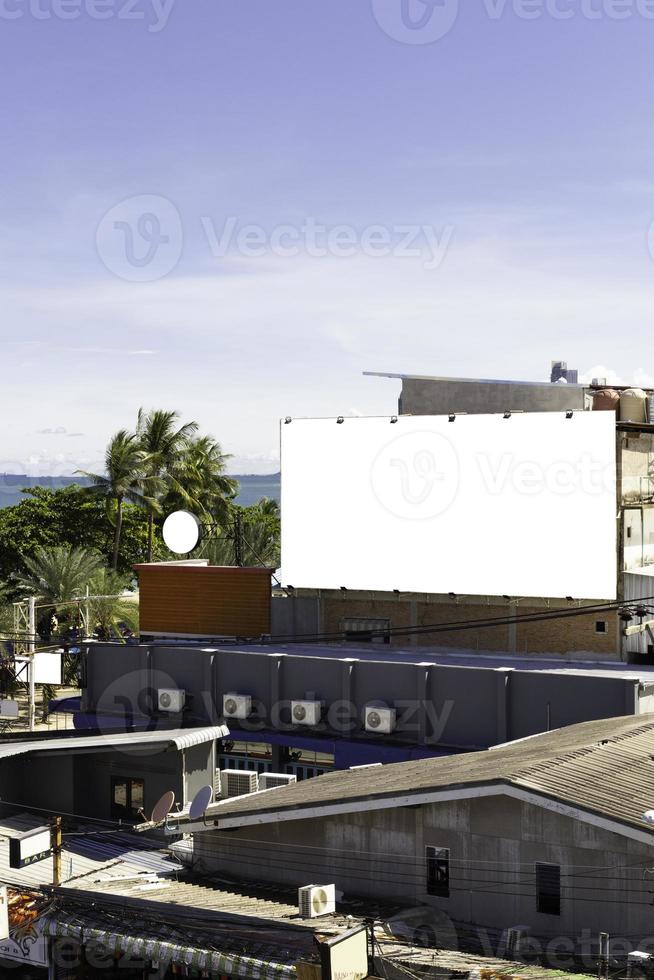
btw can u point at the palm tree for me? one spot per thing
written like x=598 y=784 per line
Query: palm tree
x=198 y=481
x=125 y=463
x=259 y=531
x=110 y=606
x=57 y=575
x=164 y=445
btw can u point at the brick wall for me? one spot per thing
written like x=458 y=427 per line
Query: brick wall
x=572 y=636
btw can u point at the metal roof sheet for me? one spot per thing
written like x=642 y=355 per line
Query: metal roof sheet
x=99 y=855
x=603 y=767
x=178 y=738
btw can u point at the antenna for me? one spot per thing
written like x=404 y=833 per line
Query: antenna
x=181 y=532
x=200 y=802
x=163 y=807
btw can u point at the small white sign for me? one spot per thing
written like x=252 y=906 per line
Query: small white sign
x=47 y=668
x=8 y=709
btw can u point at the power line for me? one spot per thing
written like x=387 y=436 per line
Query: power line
x=459 y=625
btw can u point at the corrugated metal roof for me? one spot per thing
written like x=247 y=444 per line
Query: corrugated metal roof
x=603 y=767
x=166 y=945
x=178 y=738
x=99 y=855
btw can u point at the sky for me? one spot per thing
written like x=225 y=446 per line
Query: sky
x=233 y=208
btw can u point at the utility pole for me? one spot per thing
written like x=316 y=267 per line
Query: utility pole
x=56 y=842
x=238 y=539
x=31 y=648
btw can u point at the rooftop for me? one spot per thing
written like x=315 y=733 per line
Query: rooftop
x=474 y=381
x=600 y=769
x=176 y=738
x=87 y=851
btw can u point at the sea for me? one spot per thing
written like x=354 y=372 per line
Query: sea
x=252 y=487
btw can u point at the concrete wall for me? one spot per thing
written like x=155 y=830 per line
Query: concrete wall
x=295 y=615
x=39 y=781
x=494 y=844
x=637 y=461
x=437 y=704
x=160 y=771
x=199 y=767
x=441 y=397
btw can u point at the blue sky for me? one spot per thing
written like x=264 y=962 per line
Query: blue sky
x=511 y=158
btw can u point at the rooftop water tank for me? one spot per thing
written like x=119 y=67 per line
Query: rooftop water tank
x=606 y=400
x=633 y=405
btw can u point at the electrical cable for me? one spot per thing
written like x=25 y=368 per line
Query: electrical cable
x=458 y=625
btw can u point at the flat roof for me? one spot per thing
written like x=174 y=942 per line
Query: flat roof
x=473 y=381
x=446 y=657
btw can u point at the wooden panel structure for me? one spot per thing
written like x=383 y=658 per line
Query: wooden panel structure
x=204 y=600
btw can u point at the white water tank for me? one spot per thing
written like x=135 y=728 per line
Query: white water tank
x=633 y=405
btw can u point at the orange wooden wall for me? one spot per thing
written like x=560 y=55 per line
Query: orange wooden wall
x=204 y=601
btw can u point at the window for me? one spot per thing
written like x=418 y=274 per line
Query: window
x=127 y=797
x=438 y=871
x=601 y=626
x=366 y=630
x=548 y=889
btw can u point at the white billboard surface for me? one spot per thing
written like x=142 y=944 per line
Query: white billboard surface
x=482 y=505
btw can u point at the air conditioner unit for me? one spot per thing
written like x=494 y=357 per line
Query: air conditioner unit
x=315 y=900
x=238 y=782
x=269 y=780
x=237 y=705
x=170 y=699
x=380 y=720
x=306 y=712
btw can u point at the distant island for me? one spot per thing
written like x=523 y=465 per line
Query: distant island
x=253 y=486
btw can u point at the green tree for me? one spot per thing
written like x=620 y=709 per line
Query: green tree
x=110 y=608
x=69 y=516
x=57 y=576
x=259 y=530
x=125 y=465
x=164 y=444
x=198 y=481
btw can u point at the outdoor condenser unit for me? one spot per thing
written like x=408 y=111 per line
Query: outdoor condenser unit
x=316 y=900
x=170 y=699
x=238 y=782
x=270 y=780
x=306 y=712
x=237 y=705
x=380 y=720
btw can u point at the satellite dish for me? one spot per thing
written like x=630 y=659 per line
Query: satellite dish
x=163 y=807
x=181 y=532
x=201 y=801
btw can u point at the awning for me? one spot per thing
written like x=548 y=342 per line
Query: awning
x=155 y=948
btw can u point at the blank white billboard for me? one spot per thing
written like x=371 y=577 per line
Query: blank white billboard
x=482 y=505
